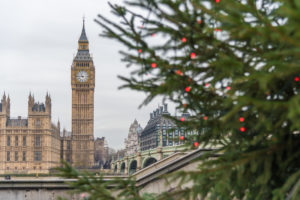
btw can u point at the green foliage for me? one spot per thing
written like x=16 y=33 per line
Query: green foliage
x=251 y=46
x=99 y=188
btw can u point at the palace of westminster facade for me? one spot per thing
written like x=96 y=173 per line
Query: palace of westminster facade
x=35 y=144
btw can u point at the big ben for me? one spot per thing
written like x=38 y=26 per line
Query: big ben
x=83 y=84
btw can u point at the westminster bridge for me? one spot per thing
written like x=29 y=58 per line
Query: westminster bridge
x=148 y=179
x=128 y=165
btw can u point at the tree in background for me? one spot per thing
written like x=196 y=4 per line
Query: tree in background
x=233 y=64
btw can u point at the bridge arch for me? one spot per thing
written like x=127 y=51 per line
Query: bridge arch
x=123 y=166
x=132 y=167
x=149 y=161
x=116 y=168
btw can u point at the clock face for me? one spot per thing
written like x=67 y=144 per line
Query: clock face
x=82 y=76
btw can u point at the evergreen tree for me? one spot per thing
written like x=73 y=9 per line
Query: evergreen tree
x=233 y=64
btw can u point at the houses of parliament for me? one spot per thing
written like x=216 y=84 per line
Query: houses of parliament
x=35 y=144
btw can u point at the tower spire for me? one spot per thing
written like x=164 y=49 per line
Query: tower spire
x=83 y=37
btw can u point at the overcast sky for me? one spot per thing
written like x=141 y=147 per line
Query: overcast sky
x=37 y=43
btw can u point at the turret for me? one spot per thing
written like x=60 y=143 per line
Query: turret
x=64 y=132
x=5 y=106
x=4 y=110
x=30 y=102
x=4 y=97
x=58 y=125
x=8 y=106
x=48 y=103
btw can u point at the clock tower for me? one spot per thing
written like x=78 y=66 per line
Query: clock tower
x=83 y=84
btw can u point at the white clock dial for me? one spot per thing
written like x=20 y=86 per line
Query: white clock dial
x=82 y=76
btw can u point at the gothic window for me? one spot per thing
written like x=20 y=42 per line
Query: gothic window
x=68 y=145
x=68 y=157
x=17 y=141
x=37 y=141
x=8 y=156
x=24 y=140
x=16 y=156
x=38 y=123
x=24 y=156
x=37 y=156
x=8 y=140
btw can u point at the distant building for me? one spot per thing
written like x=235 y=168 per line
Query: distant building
x=161 y=131
x=101 y=151
x=29 y=145
x=119 y=154
x=132 y=141
x=65 y=146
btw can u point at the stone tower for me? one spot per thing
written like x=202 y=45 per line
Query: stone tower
x=83 y=84
x=4 y=110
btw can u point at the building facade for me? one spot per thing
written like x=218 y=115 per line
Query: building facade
x=30 y=145
x=101 y=152
x=132 y=141
x=83 y=85
x=161 y=131
x=35 y=144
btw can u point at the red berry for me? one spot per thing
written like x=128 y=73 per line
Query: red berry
x=242 y=119
x=242 y=129
x=140 y=50
x=153 y=35
x=199 y=21
x=183 y=39
x=207 y=84
x=181 y=137
x=193 y=55
x=205 y=117
x=228 y=88
x=188 y=89
x=196 y=144
x=179 y=72
x=153 y=65
x=185 y=105
x=217 y=1
x=297 y=78
x=182 y=119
